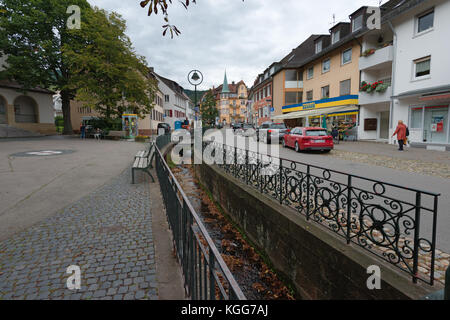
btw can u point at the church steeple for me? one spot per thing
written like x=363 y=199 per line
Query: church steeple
x=225 y=88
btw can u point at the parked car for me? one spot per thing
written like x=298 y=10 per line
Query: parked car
x=246 y=130
x=236 y=126
x=164 y=126
x=308 y=139
x=270 y=131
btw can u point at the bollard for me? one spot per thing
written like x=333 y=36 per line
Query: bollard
x=447 y=285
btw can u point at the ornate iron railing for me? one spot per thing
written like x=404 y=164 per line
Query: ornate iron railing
x=396 y=223
x=206 y=276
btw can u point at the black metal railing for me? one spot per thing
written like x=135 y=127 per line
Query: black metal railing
x=206 y=276
x=396 y=223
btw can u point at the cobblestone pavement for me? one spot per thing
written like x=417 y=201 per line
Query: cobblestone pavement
x=107 y=233
x=439 y=169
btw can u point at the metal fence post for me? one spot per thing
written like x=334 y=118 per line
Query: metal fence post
x=349 y=206
x=212 y=280
x=447 y=285
x=416 y=238
x=281 y=181
x=308 y=183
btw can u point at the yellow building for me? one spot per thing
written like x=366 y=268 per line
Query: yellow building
x=231 y=101
x=319 y=85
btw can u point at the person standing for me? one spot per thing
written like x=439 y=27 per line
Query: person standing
x=401 y=134
x=83 y=130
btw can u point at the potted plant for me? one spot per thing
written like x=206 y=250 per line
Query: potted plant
x=368 y=52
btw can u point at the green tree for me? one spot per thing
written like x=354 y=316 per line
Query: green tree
x=107 y=74
x=33 y=34
x=208 y=109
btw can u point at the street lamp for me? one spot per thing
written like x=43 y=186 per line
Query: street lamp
x=195 y=78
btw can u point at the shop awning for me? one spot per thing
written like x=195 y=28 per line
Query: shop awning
x=315 y=112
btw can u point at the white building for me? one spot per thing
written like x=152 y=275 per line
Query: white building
x=421 y=72
x=414 y=60
x=176 y=103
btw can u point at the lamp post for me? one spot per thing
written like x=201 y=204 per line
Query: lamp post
x=195 y=77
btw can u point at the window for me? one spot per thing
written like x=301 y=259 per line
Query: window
x=325 y=92
x=425 y=21
x=310 y=73
x=422 y=67
x=290 y=98
x=167 y=98
x=309 y=95
x=347 y=56
x=336 y=36
x=345 y=87
x=326 y=66
x=416 y=118
x=318 y=46
x=357 y=23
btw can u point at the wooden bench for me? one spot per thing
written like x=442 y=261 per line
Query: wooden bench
x=145 y=153
x=144 y=163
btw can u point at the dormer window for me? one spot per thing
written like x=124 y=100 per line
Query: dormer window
x=336 y=35
x=318 y=46
x=357 y=23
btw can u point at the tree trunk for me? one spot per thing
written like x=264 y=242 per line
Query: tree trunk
x=65 y=98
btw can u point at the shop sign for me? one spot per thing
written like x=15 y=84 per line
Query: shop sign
x=309 y=106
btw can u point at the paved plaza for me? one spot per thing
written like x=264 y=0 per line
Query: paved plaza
x=108 y=231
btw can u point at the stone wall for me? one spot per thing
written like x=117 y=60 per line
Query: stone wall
x=318 y=263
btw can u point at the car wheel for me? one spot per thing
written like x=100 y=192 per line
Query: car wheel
x=297 y=149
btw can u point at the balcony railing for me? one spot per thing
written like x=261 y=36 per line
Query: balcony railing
x=377 y=60
x=375 y=97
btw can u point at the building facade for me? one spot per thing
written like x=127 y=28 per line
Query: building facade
x=231 y=101
x=32 y=111
x=261 y=93
x=176 y=102
x=421 y=94
x=319 y=83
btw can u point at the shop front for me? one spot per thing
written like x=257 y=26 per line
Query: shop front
x=341 y=113
x=429 y=124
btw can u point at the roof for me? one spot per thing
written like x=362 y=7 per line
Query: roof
x=174 y=86
x=225 y=87
x=304 y=53
x=233 y=88
x=16 y=86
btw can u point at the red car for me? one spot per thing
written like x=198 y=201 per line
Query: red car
x=308 y=139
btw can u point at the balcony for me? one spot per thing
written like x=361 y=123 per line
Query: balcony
x=375 y=97
x=380 y=59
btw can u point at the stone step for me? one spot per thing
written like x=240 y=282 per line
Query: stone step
x=7 y=131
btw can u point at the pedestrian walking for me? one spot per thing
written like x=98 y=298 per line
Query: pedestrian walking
x=83 y=130
x=400 y=131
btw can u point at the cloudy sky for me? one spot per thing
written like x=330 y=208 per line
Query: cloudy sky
x=242 y=37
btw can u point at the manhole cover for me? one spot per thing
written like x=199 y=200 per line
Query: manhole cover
x=42 y=153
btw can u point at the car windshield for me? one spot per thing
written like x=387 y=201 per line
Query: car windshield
x=278 y=126
x=247 y=126
x=316 y=133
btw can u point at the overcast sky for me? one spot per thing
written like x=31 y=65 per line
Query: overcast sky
x=242 y=37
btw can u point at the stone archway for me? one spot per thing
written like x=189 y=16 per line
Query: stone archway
x=25 y=110
x=3 y=110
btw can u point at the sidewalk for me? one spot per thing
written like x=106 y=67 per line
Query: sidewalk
x=414 y=160
x=109 y=234
x=389 y=150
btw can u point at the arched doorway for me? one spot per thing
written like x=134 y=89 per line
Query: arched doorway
x=25 y=110
x=3 y=105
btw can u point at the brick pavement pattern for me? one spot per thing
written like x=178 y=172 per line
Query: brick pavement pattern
x=108 y=234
